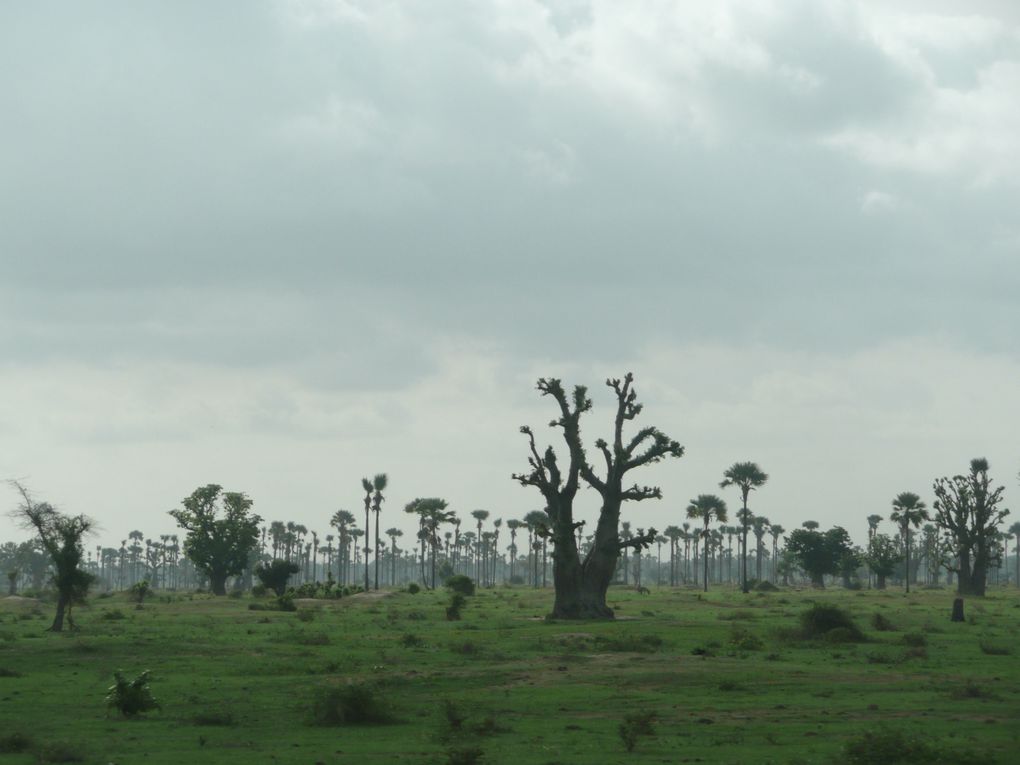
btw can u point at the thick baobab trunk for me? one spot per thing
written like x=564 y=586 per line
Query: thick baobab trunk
x=218 y=583
x=581 y=586
x=957 y=611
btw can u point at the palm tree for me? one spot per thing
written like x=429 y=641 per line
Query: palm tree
x=776 y=531
x=707 y=507
x=393 y=534
x=378 y=486
x=369 y=488
x=479 y=515
x=673 y=534
x=432 y=513
x=761 y=527
x=496 y=526
x=342 y=521
x=660 y=540
x=1014 y=530
x=873 y=521
x=513 y=524
x=538 y=528
x=625 y=534
x=908 y=510
x=747 y=476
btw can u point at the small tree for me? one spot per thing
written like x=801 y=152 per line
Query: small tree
x=967 y=511
x=908 y=510
x=61 y=538
x=882 y=558
x=218 y=546
x=820 y=553
x=274 y=576
x=747 y=476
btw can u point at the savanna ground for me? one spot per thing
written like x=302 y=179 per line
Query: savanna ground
x=726 y=676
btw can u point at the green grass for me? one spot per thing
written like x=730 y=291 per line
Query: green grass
x=727 y=677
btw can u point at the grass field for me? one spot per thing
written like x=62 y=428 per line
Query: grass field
x=726 y=676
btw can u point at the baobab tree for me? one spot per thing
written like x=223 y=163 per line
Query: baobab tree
x=61 y=538
x=581 y=585
x=222 y=532
x=967 y=511
x=707 y=508
x=908 y=510
x=747 y=477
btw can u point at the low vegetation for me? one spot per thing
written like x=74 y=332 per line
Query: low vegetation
x=722 y=677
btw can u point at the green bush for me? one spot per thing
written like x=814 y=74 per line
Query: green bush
x=881 y=623
x=893 y=747
x=131 y=698
x=635 y=725
x=461 y=584
x=457 y=602
x=413 y=588
x=822 y=618
x=353 y=704
x=15 y=743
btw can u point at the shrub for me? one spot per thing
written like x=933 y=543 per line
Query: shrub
x=842 y=635
x=881 y=623
x=139 y=590
x=413 y=588
x=286 y=603
x=461 y=584
x=457 y=602
x=274 y=576
x=465 y=755
x=888 y=746
x=766 y=586
x=822 y=618
x=410 y=640
x=635 y=725
x=306 y=615
x=353 y=704
x=5 y=672
x=235 y=594
x=995 y=649
x=131 y=698
x=745 y=640
x=59 y=751
x=259 y=590
x=214 y=718
x=15 y=743
x=630 y=643
x=516 y=579
x=113 y=615
x=914 y=640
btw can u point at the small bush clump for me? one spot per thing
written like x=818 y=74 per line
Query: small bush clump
x=410 y=640
x=224 y=719
x=914 y=640
x=131 y=698
x=460 y=583
x=15 y=743
x=744 y=640
x=353 y=704
x=413 y=588
x=630 y=644
x=823 y=618
x=457 y=602
x=889 y=746
x=995 y=649
x=880 y=622
x=635 y=725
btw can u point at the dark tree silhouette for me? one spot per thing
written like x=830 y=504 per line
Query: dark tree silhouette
x=747 y=476
x=706 y=507
x=581 y=585
x=218 y=546
x=967 y=510
x=820 y=553
x=908 y=510
x=61 y=539
x=274 y=576
x=882 y=558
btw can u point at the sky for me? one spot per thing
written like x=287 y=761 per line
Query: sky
x=282 y=245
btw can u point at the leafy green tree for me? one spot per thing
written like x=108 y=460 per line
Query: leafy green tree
x=820 y=553
x=222 y=532
x=61 y=538
x=883 y=557
x=275 y=575
x=581 y=585
x=967 y=510
x=706 y=507
x=748 y=477
x=908 y=510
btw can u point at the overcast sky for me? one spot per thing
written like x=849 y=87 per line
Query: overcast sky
x=283 y=245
